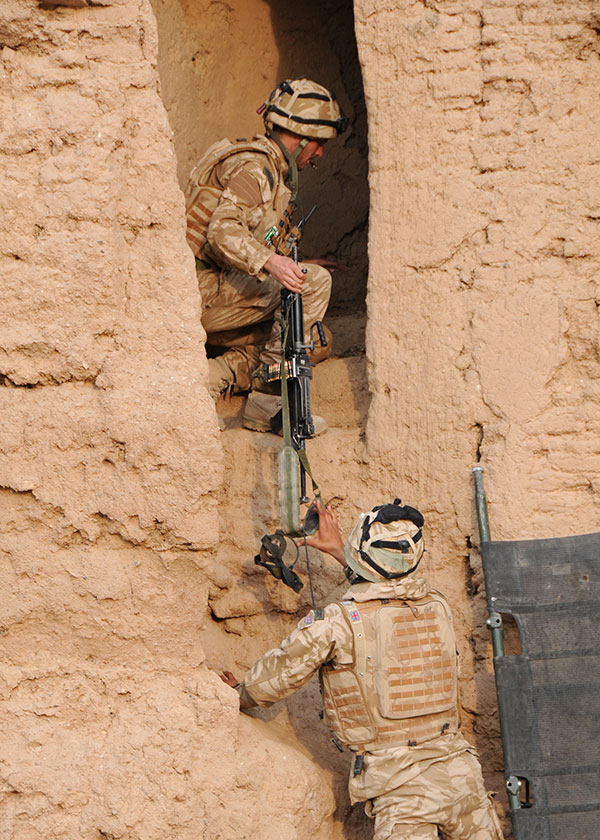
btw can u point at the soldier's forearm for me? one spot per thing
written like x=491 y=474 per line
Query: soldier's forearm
x=249 y=256
x=246 y=700
x=232 y=243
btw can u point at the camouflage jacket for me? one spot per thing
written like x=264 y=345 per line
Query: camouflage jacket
x=313 y=644
x=253 y=200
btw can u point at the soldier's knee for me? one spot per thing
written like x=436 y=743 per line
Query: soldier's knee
x=220 y=377
x=318 y=278
x=402 y=831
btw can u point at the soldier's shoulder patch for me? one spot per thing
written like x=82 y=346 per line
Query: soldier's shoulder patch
x=354 y=615
x=246 y=188
x=308 y=619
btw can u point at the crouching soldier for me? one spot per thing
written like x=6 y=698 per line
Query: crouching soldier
x=239 y=204
x=387 y=661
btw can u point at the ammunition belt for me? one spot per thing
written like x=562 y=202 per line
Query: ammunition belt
x=272 y=372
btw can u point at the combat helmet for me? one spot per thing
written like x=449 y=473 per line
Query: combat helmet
x=386 y=542
x=306 y=108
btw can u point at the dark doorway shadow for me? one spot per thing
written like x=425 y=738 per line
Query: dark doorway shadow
x=316 y=39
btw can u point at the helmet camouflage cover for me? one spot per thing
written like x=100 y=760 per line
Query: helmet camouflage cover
x=305 y=108
x=386 y=543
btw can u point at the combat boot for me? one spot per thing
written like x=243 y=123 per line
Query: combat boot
x=261 y=408
x=221 y=380
x=220 y=377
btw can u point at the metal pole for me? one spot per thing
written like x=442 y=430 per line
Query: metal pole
x=480 y=501
x=494 y=621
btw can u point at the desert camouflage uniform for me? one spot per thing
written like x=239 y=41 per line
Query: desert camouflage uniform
x=240 y=300
x=412 y=790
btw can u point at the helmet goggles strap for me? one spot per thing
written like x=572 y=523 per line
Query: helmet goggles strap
x=340 y=124
x=270 y=557
x=383 y=572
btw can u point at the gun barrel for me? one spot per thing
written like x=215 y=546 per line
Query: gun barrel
x=306 y=218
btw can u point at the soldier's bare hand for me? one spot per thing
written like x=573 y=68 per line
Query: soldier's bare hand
x=285 y=271
x=328 y=538
x=229 y=678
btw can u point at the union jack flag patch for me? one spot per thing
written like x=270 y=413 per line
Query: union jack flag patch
x=355 y=615
x=308 y=619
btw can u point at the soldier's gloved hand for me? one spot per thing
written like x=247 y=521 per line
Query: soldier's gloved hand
x=285 y=271
x=328 y=538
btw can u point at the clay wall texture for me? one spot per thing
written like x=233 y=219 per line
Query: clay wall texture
x=110 y=466
x=110 y=456
x=128 y=522
x=484 y=242
x=483 y=160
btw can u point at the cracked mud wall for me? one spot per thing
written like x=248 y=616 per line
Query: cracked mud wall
x=492 y=198
x=128 y=524
x=109 y=461
x=484 y=242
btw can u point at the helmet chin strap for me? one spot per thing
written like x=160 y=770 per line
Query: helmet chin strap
x=291 y=159
x=301 y=145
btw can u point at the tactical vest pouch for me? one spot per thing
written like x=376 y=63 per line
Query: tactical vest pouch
x=201 y=204
x=345 y=707
x=415 y=673
x=402 y=686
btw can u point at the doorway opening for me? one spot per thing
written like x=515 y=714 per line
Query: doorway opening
x=219 y=61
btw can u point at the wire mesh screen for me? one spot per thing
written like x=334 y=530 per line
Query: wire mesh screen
x=549 y=695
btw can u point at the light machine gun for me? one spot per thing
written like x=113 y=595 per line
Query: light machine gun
x=296 y=422
x=296 y=413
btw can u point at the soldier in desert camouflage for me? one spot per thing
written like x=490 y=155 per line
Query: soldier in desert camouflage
x=240 y=200
x=387 y=662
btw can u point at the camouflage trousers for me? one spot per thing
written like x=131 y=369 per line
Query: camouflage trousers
x=448 y=797
x=240 y=313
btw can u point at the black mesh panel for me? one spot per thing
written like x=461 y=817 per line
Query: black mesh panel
x=549 y=695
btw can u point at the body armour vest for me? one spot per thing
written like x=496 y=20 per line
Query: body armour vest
x=402 y=687
x=204 y=190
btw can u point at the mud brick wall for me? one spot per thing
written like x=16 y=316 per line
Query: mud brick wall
x=484 y=243
x=128 y=522
x=483 y=240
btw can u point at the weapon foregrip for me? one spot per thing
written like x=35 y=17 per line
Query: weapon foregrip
x=321 y=331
